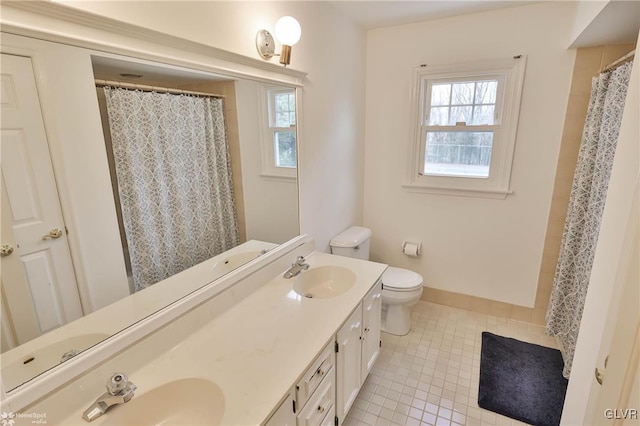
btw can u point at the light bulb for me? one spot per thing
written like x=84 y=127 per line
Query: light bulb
x=288 y=30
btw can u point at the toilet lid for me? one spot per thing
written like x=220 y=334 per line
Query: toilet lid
x=401 y=279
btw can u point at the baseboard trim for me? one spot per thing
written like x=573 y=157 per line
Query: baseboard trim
x=484 y=306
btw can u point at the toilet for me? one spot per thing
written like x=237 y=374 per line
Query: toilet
x=401 y=288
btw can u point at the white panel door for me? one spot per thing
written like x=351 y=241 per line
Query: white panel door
x=348 y=360
x=371 y=318
x=618 y=399
x=37 y=277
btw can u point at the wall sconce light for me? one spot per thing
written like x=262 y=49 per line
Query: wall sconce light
x=287 y=32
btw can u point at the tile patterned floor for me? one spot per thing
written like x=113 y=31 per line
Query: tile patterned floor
x=431 y=375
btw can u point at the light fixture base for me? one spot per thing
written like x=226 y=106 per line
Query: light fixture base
x=265 y=44
x=285 y=55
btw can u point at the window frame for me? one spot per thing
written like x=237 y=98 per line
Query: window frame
x=510 y=76
x=267 y=94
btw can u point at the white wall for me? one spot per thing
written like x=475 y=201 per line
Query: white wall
x=476 y=246
x=270 y=205
x=331 y=51
x=586 y=12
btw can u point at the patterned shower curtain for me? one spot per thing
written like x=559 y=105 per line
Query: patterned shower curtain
x=174 y=180
x=586 y=205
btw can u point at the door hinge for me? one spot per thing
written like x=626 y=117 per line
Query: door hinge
x=337 y=347
x=335 y=421
x=380 y=343
x=294 y=405
x=66 y=230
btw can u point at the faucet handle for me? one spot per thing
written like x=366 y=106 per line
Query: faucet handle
x=117 y=383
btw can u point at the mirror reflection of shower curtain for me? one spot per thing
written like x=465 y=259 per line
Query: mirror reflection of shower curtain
x=586 y=206
x=173 y=169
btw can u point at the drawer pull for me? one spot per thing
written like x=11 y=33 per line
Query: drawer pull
x=320 y=409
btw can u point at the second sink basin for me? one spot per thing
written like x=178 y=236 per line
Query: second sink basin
x=324 y=282
x=181 y=402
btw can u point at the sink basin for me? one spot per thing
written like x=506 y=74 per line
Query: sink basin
x=324 y=282
x=181 y=402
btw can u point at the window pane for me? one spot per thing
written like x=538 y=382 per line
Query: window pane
x=440 y=94
x=282 y=119
x=483 y=114
x=285 y=109
x=462 y=93
x=285 y=148
x=460 y=114
x=486 y=92
x=458 y=153
x=439 y=116
x=471 y=102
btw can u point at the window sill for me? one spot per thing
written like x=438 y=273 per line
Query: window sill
x=278 y=178
x=498 y=194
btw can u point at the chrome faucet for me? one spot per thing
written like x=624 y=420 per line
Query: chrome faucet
x=119 y=391
x=296 y=268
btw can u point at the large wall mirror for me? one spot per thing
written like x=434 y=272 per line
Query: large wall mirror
x=55 y=301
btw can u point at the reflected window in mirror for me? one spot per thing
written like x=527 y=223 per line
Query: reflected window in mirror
x=279 y=135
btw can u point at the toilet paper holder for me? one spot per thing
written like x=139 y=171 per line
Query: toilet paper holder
x=411 y=248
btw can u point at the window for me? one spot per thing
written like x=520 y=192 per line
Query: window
x=279 y=141
x=466 y=127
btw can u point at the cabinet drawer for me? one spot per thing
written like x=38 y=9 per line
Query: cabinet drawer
x=329 y=420
x=320 y=404
x=314 y=375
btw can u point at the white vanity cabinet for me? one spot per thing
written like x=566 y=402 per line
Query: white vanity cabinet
x=371 y=322
x=315 y=391
x=319 y=409
x=311 y=402
x=357 y=348
x=325 y=393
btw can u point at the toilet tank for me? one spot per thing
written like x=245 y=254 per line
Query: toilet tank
x=353 y=242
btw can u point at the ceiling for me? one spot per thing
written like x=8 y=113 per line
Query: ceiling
x=375 y=14
x=108 y=68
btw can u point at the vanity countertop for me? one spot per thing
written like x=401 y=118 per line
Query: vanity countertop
x=111 y=319
x=254 y=351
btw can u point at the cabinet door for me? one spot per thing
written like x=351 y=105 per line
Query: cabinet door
x=348 y=360
x=284 y=415
x=371 y=317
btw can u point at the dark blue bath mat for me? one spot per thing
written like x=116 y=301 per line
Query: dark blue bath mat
x=521 y=380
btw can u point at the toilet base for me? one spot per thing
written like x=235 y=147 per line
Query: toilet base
x=396 y=320
x=396 y=310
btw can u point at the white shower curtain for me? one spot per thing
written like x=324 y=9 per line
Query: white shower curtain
x=586 y=205
x=174 y=180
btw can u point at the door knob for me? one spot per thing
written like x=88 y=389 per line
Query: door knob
x=6 y=250
x=54 y=233
x=600 y=373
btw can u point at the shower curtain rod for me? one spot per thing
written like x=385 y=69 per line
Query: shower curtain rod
x=157 y=89
x=615 y=64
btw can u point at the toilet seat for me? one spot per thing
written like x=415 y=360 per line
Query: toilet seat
x=399 y=279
